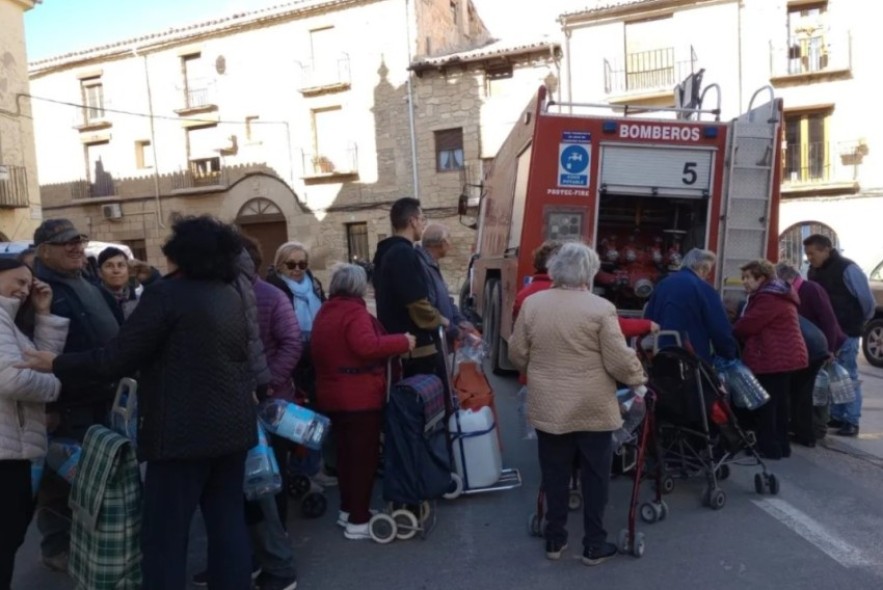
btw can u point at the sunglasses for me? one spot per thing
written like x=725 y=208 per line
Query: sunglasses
x=303 y=265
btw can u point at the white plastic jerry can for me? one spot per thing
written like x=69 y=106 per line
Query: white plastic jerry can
x=477 y=439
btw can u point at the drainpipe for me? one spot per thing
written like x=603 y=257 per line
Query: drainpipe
x=411 y=103
x=739 y=51
x=158 y=202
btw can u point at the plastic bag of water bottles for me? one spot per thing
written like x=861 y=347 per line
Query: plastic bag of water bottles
x=472 y=349
x=821 y=390
x=744 y=388
x=63 y=457
x=124 y=412
x=633 y=410
x=295 y=423
x=262 y=476
x=527 y=429
x=840 y=383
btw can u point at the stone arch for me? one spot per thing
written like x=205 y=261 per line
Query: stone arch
x=791 y=241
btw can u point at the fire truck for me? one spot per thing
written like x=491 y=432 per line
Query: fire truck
x=642 y=190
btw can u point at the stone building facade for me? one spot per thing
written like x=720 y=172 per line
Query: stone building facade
x=19 y=189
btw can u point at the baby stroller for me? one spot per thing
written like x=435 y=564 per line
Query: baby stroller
x=698 y=430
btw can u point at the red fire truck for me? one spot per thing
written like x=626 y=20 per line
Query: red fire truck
x=642 y=191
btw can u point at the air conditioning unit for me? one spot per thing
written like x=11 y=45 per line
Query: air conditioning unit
x=112 y=211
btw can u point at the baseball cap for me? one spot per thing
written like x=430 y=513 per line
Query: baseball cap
x=57 y=231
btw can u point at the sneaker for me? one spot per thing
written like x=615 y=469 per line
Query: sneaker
x=834 y=423
x=554 y=550
x=598 y=554
x=201 y=579
x=357 y=532
x=848 y=430
x=343 y=518
x=324 y=480
x=57 y=563
x=269 y=582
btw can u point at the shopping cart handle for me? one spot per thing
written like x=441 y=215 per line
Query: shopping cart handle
x=662 y=334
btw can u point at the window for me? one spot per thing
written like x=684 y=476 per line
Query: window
x=323 y=47
x=138 y=248
x=649 y=54
x=92 y=91
x=791 y=242
x=203 y=154
x=98 y=157
x=251 y=125
x=449 y=150
x=195 y=81
x=357 y=242
x=495 y=80
x=143 y=154
x=331 y=152
x=807 y=45
x=807 y=153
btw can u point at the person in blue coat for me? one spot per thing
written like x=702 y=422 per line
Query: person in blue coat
x=686 y=303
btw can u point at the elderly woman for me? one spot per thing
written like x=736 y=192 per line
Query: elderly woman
x=570 y=343
x=350 y=349
x=23 y=395
x=773 y=348
x=188 y=338
x=291 y=273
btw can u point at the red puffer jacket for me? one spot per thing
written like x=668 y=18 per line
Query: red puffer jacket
x=350 y=348
x=770 y=331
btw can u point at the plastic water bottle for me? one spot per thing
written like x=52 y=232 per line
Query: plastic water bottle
x=295 y=423
x=633 y=410
x=63 y=457
x=262 y=476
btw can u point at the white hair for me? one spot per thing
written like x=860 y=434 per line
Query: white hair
x=698 y=258
x=348 y=280
x=574 y=265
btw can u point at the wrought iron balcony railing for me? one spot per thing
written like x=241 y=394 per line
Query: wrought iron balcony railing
x=647 y=71
x=816 y=163
x=200 y=173
x=815 y=53
x=13 y=186
x=330 y=162
x=326 y=73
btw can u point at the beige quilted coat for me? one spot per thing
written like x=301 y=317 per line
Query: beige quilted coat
x=571 y=346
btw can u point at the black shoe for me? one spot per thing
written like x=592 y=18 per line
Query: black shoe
x=201 y=579
x=554 y=550
x=267 y=582
x=848 y=430
x=598 y=554
x=832 y=423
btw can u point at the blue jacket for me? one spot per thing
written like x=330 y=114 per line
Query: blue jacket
x=685 y=303
x=438 y=292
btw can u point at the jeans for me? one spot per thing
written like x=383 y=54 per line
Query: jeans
x=16 y=509
x=556 y=452
x=269 y=539
x=172 y=491
x=848 y=357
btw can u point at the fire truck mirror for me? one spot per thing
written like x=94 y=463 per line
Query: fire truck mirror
x=463 y=205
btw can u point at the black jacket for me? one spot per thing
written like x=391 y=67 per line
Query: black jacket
x=847 y=307
x=190 y=341
x=76 y=390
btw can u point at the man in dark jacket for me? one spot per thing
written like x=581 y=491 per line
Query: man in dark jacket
x=684 y=302
x=95 y=319
x=400 y=289
x=434 y=246
x=853 y=304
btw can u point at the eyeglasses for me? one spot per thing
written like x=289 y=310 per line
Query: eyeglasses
x=291 y=265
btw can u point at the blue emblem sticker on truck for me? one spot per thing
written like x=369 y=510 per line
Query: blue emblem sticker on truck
x=574 y=159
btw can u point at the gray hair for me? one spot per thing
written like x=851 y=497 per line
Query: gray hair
x=286 y=249
x=697 y=258
x=574 y=265
x=348 y=280
x=434 y=235
x=786 y=272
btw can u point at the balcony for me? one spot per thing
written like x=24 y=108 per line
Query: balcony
x=330 y=163
x=328 y=75
x=822 y=168
x=199 y=97
x=201 y=175
x=806 y=58
x=649 y=72
x=86 y=189
x=13 y=186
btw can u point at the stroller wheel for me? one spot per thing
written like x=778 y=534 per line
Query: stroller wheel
x=758 y=483
x=575 y=500
x=298 y=486
x=723 y=472
x=717 y=499
x=649 y=513
x=382 y=528
x=534 y=526
x=425 y=511
x=773 y=484
x=668 y=484
x=624 y=541
x=313 y=505
x=456 y=488
x=638 y=545
x=406 y=524
x=663 y=510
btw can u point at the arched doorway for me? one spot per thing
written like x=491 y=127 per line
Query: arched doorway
x=791 y=242
x=263 y=221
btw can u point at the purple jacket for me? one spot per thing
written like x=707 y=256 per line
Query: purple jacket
x=815 y=305
x=280 y=335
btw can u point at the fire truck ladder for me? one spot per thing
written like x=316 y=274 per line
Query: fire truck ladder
x=749 y=188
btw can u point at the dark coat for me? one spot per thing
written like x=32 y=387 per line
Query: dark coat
x=770 y=331
x=350 y=349
x=189 y=340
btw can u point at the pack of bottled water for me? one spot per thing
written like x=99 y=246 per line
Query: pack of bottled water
x=63 y=458
x=262 y=477
x=295 y=423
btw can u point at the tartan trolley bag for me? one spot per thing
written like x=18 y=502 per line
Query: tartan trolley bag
x=105 y=501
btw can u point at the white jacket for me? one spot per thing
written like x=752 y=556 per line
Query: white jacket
x=24 y=393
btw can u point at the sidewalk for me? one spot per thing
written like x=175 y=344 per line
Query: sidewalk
x=869 y=444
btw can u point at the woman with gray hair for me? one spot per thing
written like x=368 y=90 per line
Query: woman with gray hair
x=350 y=349
x=569 y=342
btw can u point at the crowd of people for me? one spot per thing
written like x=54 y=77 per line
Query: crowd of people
x=212 y=339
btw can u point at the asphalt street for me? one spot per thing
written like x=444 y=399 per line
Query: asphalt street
x=824 y=530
